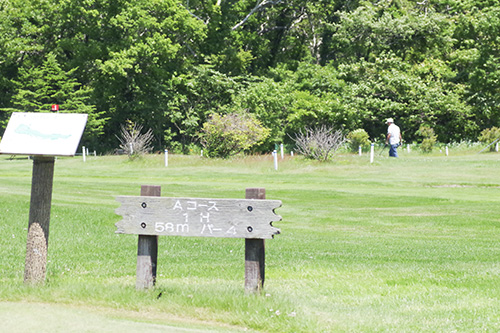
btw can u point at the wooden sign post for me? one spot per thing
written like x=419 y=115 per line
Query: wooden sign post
x=43 y=135
x=151 y=216
x=147 y=249
x=39 y=219
x=255 y=253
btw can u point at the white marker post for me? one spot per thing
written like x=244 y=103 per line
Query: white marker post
x=83 y=154
x=275 y=155
x=360 y=151
x=408 y=148
x=446 y=151
x=372 y=152
x=282 y=151
x=166 y=157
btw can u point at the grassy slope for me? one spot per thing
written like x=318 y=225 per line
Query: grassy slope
x=407 y=244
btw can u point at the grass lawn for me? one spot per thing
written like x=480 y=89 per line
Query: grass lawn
x=408 y=244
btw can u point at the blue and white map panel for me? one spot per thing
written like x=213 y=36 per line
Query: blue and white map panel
x=48 y=134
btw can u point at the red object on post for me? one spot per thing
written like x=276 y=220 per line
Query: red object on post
x=55 y=107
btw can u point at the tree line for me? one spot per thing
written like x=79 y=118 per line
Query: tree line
x=170 y=65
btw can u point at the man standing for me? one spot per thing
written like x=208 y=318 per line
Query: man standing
x=393 y=137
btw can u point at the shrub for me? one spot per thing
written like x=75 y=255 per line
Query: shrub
x=358 y=138
x=490 y=135
x=319 y=143
x=227 y=135
x=133 y=142
x=429 y=138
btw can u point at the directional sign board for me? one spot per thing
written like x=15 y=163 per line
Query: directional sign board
x=226 y=218
x=47 y=134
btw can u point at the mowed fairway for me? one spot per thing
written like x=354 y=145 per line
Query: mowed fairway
x=408 y=244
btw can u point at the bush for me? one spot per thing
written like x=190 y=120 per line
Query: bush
x=224 y=136
x=358 y=138
x=319 y=143
x=429 y=138
x=133 y=142
x=490 y=135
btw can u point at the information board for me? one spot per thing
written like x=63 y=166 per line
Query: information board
x=47 y=134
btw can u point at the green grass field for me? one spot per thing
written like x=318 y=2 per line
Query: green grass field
x=408 y=244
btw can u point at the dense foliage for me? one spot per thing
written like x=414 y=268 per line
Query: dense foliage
x=429 y=138
x=358 y=138
x=224 y=136
x=169 y=64
x=490 y=136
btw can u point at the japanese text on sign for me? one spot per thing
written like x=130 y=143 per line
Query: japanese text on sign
x=235 y=218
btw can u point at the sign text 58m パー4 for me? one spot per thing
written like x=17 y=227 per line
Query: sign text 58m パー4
x=226 y=218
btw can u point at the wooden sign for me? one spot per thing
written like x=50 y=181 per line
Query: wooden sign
x=47 y=134
x=226 y=218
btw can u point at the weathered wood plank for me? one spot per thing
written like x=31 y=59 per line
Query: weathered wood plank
x=198 y=217
x=255 y=253
x=147 y=249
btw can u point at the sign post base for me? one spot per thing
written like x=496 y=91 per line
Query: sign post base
x=39 y=220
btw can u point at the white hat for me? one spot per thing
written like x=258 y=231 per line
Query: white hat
x=389 y=120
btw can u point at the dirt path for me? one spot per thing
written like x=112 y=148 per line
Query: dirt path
x=41 y=318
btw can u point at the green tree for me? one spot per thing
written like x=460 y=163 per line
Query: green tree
x=476 y=59
x=414 y=94
x=199 y=92
x=291 y=100
x=24 y=30
x=168 y=64
x=155 y=39
x=270 y=102
x=370 y=31
x=248 y=37
x=40 y=87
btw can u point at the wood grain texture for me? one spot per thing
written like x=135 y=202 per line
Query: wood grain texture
x=39 y=220
x=147 y=250
x=255 y=252
x=198 y=217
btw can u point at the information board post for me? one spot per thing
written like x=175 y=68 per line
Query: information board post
x=254 y=252
x=44 y=136
x=147 y=249
x=39 y=220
